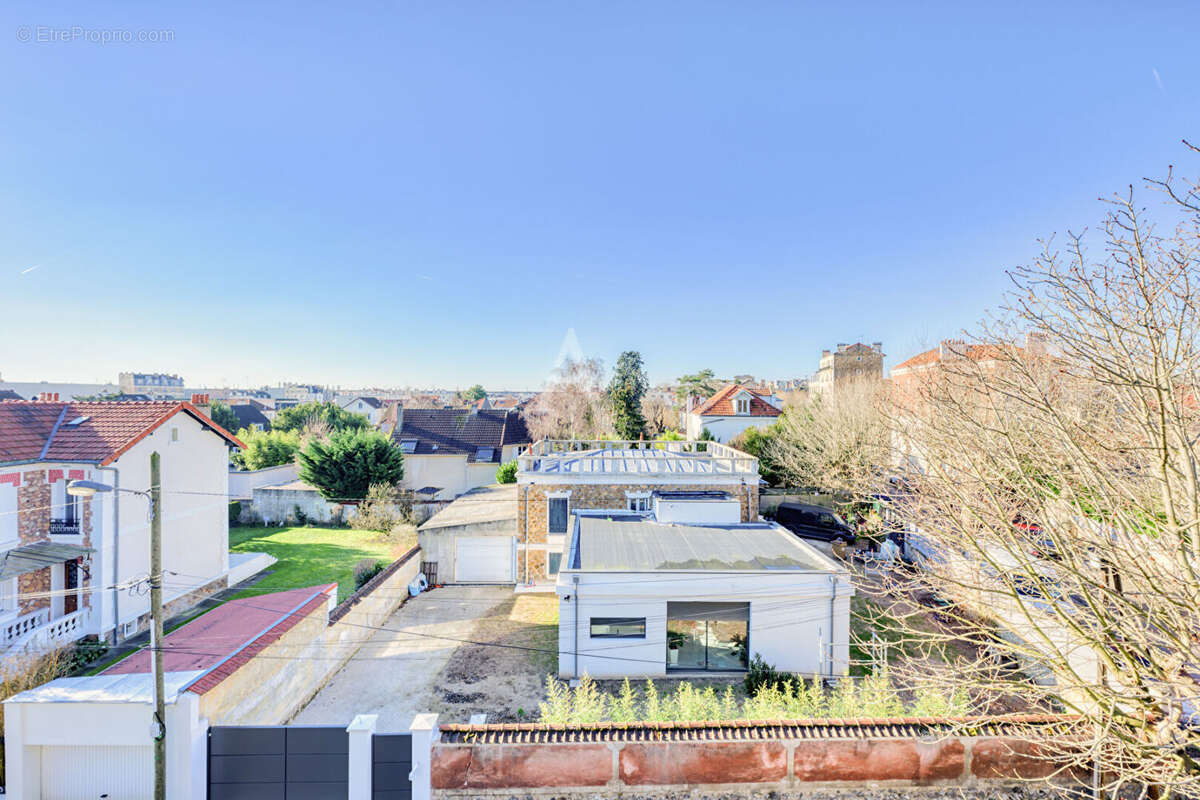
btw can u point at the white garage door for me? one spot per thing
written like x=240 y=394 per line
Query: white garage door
x=483 y=559
x=85 y=772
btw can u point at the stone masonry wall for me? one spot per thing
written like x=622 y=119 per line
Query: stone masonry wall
x=532 y=510
x=778 y=765
x=33 y=525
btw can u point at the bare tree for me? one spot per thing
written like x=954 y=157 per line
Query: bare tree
x=1053 y=494
x=834 y=441
x=661 y=413
x=573 y=405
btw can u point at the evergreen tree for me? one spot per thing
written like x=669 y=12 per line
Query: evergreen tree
x=625 y=394
x=349 y=462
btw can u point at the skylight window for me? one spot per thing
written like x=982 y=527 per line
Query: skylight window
x=408 y=445
x=485 y=453
x=78 y=421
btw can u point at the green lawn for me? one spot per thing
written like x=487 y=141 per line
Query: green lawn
x=311 y=556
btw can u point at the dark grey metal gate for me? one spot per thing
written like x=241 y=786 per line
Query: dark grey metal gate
x=277 y=762
x=391 y=762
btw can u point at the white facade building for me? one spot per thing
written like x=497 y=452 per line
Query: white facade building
x=52 y=543
x=731 y=411
x=642 y=597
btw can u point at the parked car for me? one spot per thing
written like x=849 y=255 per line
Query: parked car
x=814 y=522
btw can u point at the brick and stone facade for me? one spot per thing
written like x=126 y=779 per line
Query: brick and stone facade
x=34 y=511
x=533 y=510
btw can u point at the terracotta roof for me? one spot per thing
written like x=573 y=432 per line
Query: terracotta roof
x=458 y=431
x=721 y=403
x=94 y=432
x=230 y=636
x=975 y=352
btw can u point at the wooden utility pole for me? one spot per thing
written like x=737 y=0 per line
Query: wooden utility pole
x=156 y=615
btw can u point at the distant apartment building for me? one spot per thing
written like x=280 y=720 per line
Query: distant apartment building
x=849 y=363
x=149 y=383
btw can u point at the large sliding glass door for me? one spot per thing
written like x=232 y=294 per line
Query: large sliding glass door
x=708 y=636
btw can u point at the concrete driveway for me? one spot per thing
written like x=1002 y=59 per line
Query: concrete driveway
x=393 y=673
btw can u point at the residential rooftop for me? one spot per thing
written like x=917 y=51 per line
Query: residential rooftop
x=581 y=458
x=484 y=504
x=623 y=542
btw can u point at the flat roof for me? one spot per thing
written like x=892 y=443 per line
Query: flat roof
x=107 y=688
x=626 y=543
x=651 y=459
x=484 y=504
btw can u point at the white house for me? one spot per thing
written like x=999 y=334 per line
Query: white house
x=370 y=407
x=72 y=567
x=731 y=411
x=639 y=596
x=448 y=451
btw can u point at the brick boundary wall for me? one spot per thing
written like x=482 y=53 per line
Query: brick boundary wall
x=761 y=758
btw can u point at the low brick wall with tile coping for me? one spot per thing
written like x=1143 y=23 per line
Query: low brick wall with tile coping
x=763 y=757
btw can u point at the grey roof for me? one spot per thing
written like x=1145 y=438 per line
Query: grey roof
x=484 y=504
x=627 y=543
x=479 y=435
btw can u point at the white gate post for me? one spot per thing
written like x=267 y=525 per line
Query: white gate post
x=424 y=734
x=360 y=732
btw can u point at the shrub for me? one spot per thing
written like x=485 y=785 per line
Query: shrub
x=330 y=415
x=790 y=698
x=266 y=448
x=235 y=511
x=365 y=570
x=760 y=674
x=384 y=508
x=507 y=472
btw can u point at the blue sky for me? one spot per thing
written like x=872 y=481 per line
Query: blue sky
x=432 y=194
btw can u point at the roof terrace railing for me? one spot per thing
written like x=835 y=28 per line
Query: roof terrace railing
x=583 y=456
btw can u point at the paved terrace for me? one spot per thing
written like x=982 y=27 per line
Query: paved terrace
x=577 y=457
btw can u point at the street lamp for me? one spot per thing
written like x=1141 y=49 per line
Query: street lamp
x=158 y=728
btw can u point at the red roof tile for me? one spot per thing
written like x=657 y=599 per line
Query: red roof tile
x=721 y=403
x=32 y=430
x=975 y=352
x=230 y=636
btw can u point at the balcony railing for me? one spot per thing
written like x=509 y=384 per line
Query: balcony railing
x=35 y=632
x=581 y=456
x=64 y=527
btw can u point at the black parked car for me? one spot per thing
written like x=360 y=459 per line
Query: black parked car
x=814 y=522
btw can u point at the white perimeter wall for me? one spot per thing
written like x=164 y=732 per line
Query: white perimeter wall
x=790 y=618
x=243 y=484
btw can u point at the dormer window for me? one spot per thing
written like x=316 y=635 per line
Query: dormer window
x=743 y=405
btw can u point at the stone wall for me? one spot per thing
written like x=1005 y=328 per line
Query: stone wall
x=776 y=765
x=33 y=525
x=532 y=510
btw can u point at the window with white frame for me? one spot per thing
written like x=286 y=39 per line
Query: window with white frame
x=743 y=405
x=637 y=501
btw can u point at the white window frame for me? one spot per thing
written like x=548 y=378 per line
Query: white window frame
x=639 y=501
x=743 y=405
